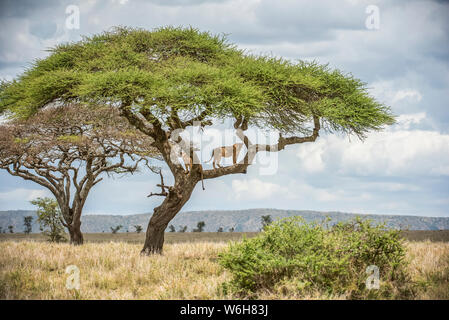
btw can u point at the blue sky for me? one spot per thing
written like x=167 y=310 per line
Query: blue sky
x=405 y=62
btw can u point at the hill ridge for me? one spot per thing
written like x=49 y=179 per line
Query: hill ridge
x=241 y=220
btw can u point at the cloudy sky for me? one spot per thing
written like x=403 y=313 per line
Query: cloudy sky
x=403 y=56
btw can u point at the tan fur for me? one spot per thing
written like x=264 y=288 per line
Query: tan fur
x=187 y=161
x=225 y=152
x=188 y=164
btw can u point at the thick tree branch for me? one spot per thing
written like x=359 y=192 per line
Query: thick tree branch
x=139 y=121
x=252 y=149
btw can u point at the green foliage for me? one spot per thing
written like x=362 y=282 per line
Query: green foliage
x=115 y=229
x=21 y=140
x=73 y=139
x=182 y=229
x=199 y=227
x=298 y=257
x=11 y=229
x=171 y=228
x=191 y=71
x=27 y=223
x=50 y=219
x=266 y=220
x=138 y=228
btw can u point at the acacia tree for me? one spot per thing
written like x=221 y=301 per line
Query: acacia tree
x=67 y=149
x=199 y=227
x=27 y=223
x=167 y=79
x=266 y=220
x=115 y=229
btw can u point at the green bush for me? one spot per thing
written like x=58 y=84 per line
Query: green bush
x=50 y=219
x=300 y=258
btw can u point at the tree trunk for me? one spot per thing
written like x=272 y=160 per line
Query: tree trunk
x=154 y=240
x=76 y=237
x=163 y=214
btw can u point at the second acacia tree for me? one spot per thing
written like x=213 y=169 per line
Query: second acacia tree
x=68 y=150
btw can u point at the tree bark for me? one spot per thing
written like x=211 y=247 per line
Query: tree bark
x=71 y=219
x=177 y=196
x=76 y=236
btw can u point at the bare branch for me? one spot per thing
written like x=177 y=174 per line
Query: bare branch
x=161 y=185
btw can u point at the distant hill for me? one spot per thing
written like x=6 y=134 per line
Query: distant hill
x=241 y=220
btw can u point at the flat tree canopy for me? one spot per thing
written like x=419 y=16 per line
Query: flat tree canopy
x=166 y=79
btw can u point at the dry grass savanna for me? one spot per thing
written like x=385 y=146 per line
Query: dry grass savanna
x=186 y=270
x=133 y=237
x=177 y=237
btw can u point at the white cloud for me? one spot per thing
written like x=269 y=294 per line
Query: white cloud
x=392 y=186
x=289 y=190
x=19 y=46
x=396 y=153
x=306 y=191
x=407 y=94
x=23 y=194
x=441 y=170
x=395 y=91
x=393 y=152
x=254 y=189
x=404 y=121
x=311 y=157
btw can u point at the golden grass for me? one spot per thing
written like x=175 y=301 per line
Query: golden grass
x=133 y=237
x=115 y=270
x=429 y=267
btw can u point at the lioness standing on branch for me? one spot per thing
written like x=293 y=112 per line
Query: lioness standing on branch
x=225 y=152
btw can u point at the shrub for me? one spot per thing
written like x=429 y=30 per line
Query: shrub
x=116 y=229
x=266 y=220
x=304 y=258
x=27 y=222
x=50 y=219
x=199 y=226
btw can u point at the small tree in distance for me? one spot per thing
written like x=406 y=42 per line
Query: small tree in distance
x=50 y=218
x=171 y=228
x=138 y=228
x=199 y=227
x=11 y=229
x=116 y=229
x=182 y=229
x=27 y=223
x=266 y=220
x=220 y=229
